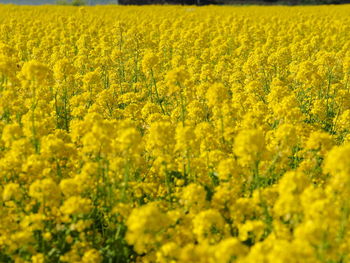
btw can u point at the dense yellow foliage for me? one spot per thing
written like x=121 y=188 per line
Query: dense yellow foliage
x=175 y=134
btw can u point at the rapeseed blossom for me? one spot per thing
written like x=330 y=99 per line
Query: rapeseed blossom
x=174 y=134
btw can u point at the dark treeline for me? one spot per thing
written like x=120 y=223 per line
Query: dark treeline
x=59 y=2
x=233 y=2
x=182 y=2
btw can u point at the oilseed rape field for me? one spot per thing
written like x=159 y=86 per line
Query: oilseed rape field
x=175 y=134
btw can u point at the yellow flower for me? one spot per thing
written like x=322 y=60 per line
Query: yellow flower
x=177 y=76
x=251 y=229
x=45 y=190
x=38 y=258
x=92 y=256
x=149 y=61
x=249 y=146
x=217 y=94
x=11 y=191
x=76 y=205
x=229 y=248
x=36 y=71
x=145 y=227
x=212 y=134
x=193 y=196
x=209 y=226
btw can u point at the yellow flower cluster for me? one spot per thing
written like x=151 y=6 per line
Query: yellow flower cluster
x=175 y=134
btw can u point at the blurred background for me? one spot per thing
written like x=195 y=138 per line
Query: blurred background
x=183 y=2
